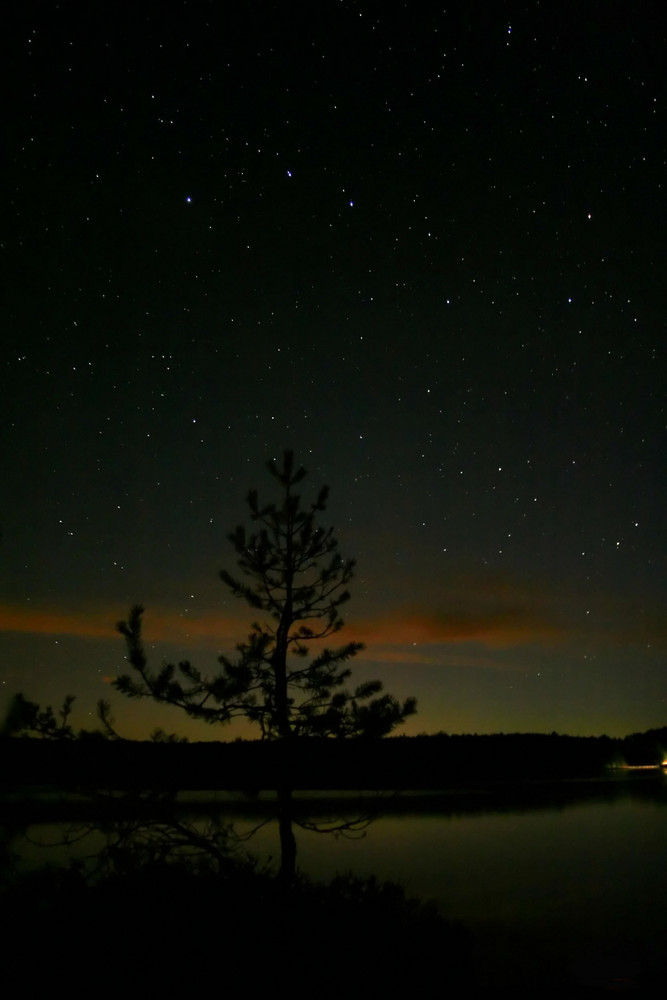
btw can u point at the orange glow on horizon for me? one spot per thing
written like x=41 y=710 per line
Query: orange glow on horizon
x=391 y=636
x=498 y=629
x=159 y=624
x=401 y=635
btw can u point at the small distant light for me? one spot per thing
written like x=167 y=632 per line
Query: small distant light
x=351 y=204
x=188 y=200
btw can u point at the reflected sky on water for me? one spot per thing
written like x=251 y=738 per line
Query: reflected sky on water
x=573 y=894
x=555 y=891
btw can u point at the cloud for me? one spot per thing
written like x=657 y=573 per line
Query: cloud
x=501 y=628
x=483 y=612
x=492 y=611
x=44 y=622
x=160 y=624
x=403 y=628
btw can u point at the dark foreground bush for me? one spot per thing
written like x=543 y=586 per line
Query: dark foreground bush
x=165 y=927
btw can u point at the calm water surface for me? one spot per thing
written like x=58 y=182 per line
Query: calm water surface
x=554 y=895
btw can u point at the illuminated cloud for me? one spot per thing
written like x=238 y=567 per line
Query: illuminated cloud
x=492 y=613
x=160 y=624
x=47 y=622
x=498 y=628
x=499 y=613
x=503 y=628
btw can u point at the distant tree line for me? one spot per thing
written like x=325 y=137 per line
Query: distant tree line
x=401 y=763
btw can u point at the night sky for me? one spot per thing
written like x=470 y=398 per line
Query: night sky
x=421 y=244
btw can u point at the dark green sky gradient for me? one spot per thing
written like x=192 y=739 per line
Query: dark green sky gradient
x=471 y=353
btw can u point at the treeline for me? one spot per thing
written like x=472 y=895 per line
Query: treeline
x=400 y=763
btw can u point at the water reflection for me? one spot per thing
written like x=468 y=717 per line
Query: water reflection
x=172 y=895
x=559 y=885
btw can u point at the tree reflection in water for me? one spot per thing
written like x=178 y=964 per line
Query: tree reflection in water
x=169 y=899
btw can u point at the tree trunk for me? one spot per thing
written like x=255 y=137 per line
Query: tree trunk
x=287 y=839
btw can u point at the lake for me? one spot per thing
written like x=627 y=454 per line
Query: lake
x=560 y=885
